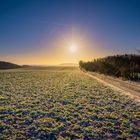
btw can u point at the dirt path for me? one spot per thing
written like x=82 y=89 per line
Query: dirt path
x=124 y=87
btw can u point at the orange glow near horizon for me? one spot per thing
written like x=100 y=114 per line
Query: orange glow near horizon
x=62 y=49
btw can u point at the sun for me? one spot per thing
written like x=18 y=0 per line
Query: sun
x=73 y=48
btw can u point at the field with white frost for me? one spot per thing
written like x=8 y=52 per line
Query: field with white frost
x=63 y=104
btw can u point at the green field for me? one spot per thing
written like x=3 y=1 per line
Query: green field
x=63 y=104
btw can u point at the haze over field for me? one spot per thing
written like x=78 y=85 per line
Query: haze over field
x=66 y=31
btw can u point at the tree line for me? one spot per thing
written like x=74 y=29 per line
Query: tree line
x=127 y=66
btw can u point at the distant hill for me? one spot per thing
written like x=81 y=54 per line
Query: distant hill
x=8 y=65
x=69 y=64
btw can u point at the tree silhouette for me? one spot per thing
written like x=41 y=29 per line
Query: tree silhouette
x=127 y=66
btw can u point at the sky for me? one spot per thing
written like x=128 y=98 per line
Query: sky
x=66 y=31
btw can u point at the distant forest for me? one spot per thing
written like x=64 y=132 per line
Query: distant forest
x=126 y=66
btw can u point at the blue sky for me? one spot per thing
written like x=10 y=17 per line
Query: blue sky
x=25 y=24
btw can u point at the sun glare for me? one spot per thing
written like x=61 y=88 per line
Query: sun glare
x=73 y=48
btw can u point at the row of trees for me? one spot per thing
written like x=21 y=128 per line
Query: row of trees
x=127 y=66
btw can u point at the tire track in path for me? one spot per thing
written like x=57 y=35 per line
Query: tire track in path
x=132 y=90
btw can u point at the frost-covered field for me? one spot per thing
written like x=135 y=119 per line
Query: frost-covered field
x=63 y=104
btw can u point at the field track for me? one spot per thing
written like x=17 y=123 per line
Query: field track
x=124 y=87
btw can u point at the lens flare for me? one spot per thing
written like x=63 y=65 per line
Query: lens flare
x=73 y=48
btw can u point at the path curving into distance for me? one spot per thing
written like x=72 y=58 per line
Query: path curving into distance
x=124 y=87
